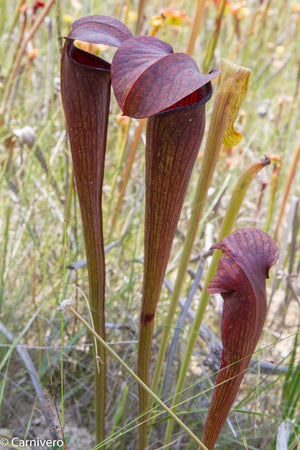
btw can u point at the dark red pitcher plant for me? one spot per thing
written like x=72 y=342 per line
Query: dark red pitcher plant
x=149 y=80
x=241 y=276
x=85 y=90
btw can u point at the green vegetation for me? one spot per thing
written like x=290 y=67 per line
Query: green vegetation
x=46 y=358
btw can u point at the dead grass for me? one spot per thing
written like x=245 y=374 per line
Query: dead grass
x=38 y=239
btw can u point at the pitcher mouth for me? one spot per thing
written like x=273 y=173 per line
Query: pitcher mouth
x=85 y=59
x=196 y=98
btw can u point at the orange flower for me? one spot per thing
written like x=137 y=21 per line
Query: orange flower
x=239 y=9
x=157 y=22
x=175 y=17
x=33 y=53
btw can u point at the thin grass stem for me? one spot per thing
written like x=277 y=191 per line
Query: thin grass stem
x=273 y=190
x=288 y=184
x=126 y=173
x=133 y=374
x=4 y=255
x=140 y=18
x=199 y=10
x=215 y=36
